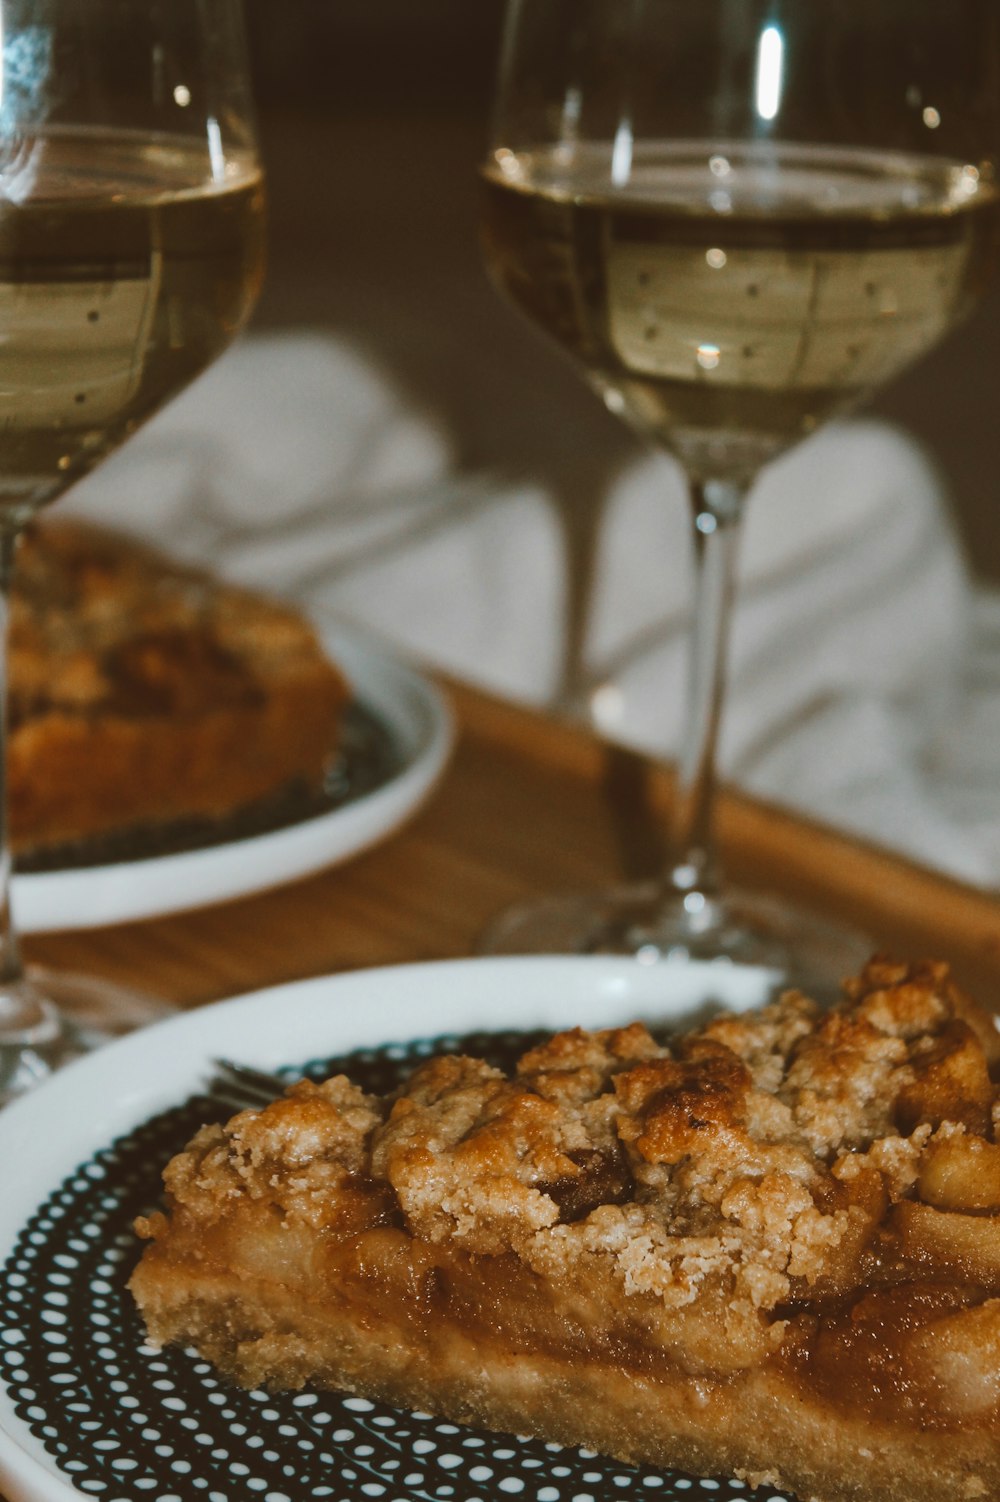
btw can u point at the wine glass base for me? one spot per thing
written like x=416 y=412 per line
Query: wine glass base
x=78 y=1013
x=739 y=928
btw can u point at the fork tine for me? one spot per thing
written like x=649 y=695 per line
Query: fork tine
x=243 y=1086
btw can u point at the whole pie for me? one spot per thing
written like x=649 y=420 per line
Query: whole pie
x=767 y=1248
x=144 y=693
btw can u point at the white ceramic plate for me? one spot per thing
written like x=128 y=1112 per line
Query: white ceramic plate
x=83 y=1154
x=418 y=723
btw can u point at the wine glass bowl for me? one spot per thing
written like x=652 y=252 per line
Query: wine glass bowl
x=131 y=226
x=131 y=253
x=728 y=335
x=739 y=218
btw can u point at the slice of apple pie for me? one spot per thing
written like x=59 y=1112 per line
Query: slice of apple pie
x=769 y=1248
x=149 y=698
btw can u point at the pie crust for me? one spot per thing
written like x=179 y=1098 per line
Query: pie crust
x=145 y=694
x=767 y=1248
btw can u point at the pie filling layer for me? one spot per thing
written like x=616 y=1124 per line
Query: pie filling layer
x=770 y=1247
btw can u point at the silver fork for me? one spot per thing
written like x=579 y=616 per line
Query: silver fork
x=243 y=1086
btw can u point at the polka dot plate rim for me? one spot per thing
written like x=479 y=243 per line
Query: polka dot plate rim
x=71 y=1146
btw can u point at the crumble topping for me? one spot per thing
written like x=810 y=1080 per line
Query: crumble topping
x=100 y=621
x=756 y=1158
x=296 y=1155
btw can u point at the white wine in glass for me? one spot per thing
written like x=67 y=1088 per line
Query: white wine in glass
x=131 y=253
x=830 y=273
x=740 y=218
x=124 y=271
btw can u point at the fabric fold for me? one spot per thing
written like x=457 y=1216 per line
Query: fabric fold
x=864 y=681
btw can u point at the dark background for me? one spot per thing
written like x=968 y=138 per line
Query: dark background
x=373 y=116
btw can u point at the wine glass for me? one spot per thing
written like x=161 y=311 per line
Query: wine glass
x=739 y=217
x=131 y=252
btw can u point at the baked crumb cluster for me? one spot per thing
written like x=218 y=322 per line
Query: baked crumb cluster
x=100 y=620
x=755 y=1158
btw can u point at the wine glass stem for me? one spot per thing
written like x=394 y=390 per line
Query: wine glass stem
x=17 y=1012
x=717 y=509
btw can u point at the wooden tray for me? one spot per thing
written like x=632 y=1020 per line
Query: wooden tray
x=529 y=806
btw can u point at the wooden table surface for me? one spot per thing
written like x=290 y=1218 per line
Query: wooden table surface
x=527 y=806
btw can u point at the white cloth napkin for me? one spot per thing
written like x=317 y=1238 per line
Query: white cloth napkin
x=293 y=466
x=865 y=676
x=851 y=635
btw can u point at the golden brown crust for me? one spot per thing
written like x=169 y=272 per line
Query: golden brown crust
x=144 y=692
x=784 y=1208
